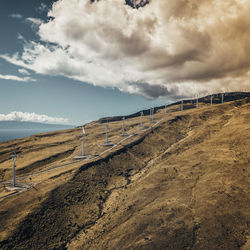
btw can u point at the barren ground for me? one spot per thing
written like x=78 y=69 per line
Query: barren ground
x=184 y=184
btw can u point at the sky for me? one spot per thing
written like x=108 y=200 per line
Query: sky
x=74 y=61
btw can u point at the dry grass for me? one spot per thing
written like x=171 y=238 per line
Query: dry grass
x=185 y=185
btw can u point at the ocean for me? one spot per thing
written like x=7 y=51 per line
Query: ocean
x=11 y=134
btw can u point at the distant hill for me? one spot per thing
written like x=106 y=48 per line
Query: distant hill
x=31 y=125
x=189 y=104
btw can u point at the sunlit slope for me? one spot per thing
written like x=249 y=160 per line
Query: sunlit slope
x=184 y=185
x=194 y=194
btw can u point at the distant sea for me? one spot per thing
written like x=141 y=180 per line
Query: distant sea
x=11 y=134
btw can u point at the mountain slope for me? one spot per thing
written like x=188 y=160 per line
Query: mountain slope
x=194 y=194
x=183 y=185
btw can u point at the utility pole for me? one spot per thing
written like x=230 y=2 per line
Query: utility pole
x=211 y=100
x=181 y=105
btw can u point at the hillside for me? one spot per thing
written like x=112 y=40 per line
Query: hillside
x=183 y=183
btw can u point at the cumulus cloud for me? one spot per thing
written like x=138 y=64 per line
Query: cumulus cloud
x=16 y=78
x=166 y=48
x=31 y=117
x=16 y=16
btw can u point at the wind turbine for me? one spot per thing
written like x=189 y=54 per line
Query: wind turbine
x=197 y=101
x=83 y=156
x=107 y=132
x=152 y=114
x=181 y=105
x=123 y=127
x=107 y=136
x=141 y=125
x=222 y=97
x=14 y=156
x=83 y=141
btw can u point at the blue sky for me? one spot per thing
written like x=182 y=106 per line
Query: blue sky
x=55 y=96
x=74 y=61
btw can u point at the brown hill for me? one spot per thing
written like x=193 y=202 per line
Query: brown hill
x=183 y=184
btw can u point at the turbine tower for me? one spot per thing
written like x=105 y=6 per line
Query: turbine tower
x=141 y=125
x=123 y=127
x=83 y=141
x=14 y=156
x=152 y=114
x=107 y=132
x=181 y=105
x=107 y=143
x=83 y=155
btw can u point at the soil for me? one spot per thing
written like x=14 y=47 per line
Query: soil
x=184 y=184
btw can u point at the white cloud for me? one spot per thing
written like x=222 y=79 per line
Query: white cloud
x=16 y=78
x=16 y=16
x=34 y=21
x=165 y=48
x=23 y=72
x=32 y=117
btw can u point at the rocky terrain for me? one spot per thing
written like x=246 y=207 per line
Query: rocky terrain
x=181 y=183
